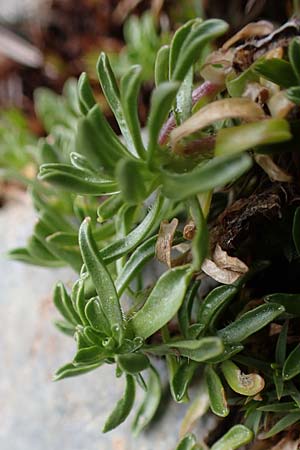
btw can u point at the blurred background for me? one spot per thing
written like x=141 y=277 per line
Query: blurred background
x=44 y=44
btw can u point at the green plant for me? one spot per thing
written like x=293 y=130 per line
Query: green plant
x=215 y=180
x=16 y=142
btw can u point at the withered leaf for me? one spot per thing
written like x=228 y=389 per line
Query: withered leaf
x=274 y=172
x=164 y=242
x=253 y=29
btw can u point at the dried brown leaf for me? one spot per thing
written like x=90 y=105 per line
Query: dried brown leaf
x=242 y=108
x=253 y=29
x=189 y=230
x=224 y=261
x=279 y=105
x=256 y=92
x=274 y=172
x=164 y=242
x=224 y=276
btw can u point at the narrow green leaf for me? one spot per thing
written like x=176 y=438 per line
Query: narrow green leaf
x=278 y=407
x=65 y=327
x=38 y=250
x=70 y=370
x=161 y=70
x=193 y=46
x=200 y=240
x=123 y=407
x=291 y=366
x=132 y=239
x=178 y=40
x=80 y=162
x=235 y=438
x=89 y=355
x=280 y=351
x=278 y=71
x=290 y=302
x=207 y=347
x=79 y=301
x=129 y=90
x=109 y=208
x=22 y=254
x=182 y=378
x=229 y=352
x=64 y=304
x=101 y=278
x=205 y=177
x=184 y=313
x=250 y=322
x=214 y=303
x=282 y=424
x=94 y=313
x=187 y=443
x=183 y=105
x=111 y=91
x=161 y=102
x=244 y=137
x=217 y=398
x=150 y=403
x=163 y=302
x=75 y=180
x=137 y=260
x=294 y=57
x=86 y=96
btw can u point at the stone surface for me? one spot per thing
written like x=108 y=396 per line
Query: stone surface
x=36 y=413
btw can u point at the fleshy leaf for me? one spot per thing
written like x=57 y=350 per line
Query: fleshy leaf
x=244 y=137
x=123 y=407
x=101 y=278
x=205 y=177
x=250 y=322
x=163 y=302
x=235 y=438
x=150 y=403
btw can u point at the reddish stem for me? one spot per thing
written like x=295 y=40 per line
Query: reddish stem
x=207 y=88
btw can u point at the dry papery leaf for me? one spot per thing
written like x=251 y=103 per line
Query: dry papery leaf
x=217 y=66
x=279 y=105
x=274 y=172
x=189 y=230
x=256 y=92
x=242 y=108
x=253 y=29
x=224 y=268
x=163 y=248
